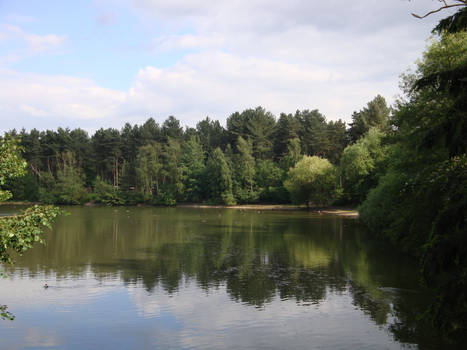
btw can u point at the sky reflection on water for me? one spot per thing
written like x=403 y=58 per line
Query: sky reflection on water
x=186 y=278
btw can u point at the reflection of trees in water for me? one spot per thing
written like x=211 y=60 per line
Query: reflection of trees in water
x=5 y=314
x=257 y=256
x=377 y=307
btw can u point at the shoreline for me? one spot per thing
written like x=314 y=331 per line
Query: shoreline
x=20 y=203
x=338 y=211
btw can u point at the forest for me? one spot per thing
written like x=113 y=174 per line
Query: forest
x=248 y=161
x=404 y=165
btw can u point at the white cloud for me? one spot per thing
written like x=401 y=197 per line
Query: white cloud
x=219 y=84
x=64 y=291
x=208 y=83
x=34 y=100
x=269 y=16
x=178 y=8
x=196 y=318
x=35 y=43
x=40 y=43
x=214 y=320
x=186 y=41
x=334 y=56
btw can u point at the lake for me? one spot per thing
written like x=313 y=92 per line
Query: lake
x=188 y=278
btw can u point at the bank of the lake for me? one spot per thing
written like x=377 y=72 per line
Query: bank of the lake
x=338 y=211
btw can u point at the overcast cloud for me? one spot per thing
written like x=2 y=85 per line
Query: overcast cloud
x=193 y=59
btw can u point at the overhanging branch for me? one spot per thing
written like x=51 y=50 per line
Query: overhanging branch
x=446 y=6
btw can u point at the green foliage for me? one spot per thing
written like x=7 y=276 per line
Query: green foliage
x=420 y=203
x=444 y=256
x=313 y=179
x=437 y=91
x=375 y=114
x=245 y=172
x=165 y=165
x=254 y=124
x=380 y=210
x=106 y=194
x=338 y=140
x=193 y=168
x=148 y=168
x=292 y=155
x=287 y=128
x=132 y=138
x=211 y=134
x=313 y=135
x=25 y=188
x=47 y=190
x=12 y=165
x=70 y=188
x=172 y=174
x=218 y=176
x=268 y=178
x=454 y=23
x=424 y=214
x=175 y=171
x=107 y=148
x=131 y=197
x=19 y=232
x=70 y=182
x=362 y=164
x=171 y=129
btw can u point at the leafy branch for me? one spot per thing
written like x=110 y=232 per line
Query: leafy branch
x=19 y=232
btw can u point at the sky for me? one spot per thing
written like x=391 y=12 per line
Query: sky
x=102 y=63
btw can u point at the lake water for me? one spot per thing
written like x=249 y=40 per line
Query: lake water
x=185 y=278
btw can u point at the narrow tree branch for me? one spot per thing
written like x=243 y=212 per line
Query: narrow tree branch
x=440 y=9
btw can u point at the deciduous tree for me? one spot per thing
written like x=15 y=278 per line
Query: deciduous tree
x=313 y=179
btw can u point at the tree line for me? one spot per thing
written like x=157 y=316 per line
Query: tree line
x=247 y=161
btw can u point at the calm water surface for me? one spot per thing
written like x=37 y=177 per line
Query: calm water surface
x=144 y=278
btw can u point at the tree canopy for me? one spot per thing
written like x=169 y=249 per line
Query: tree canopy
x=313 y=179
x=374 y=115
x=167 y=164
